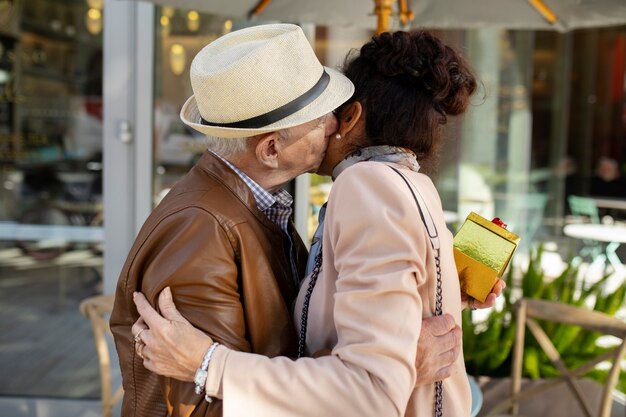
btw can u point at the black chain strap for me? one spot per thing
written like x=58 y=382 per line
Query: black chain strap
x=434 y=241
x=438 y=312
x=307 y=299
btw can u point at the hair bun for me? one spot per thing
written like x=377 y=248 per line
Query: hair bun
x=422 y=60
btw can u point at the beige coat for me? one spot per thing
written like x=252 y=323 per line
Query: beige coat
x=377 y=283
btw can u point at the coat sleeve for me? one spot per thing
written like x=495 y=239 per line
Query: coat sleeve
x=194 y=256
x=373 y=229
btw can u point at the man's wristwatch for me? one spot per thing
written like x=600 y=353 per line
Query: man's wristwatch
x=200 y=380
x=203 y=372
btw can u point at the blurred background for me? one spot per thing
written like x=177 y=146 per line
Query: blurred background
x=90 y=141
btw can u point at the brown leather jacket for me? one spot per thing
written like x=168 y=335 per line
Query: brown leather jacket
x=228 y=268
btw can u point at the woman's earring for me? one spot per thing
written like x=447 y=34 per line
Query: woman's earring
x=338 y=136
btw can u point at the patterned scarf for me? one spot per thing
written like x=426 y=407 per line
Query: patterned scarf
x=383 y=153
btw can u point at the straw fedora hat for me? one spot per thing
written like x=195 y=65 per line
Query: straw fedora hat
x=260 y=79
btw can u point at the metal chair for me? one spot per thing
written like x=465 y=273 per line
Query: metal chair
x=586 y=210
x=97 y=309
x=529 y=311
x=585 y=207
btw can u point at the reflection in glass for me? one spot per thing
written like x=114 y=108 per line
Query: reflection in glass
x=180 y=36
x=50 y=197
x=178 y=59
x=93 y=21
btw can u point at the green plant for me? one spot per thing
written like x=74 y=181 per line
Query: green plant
x=488 y=345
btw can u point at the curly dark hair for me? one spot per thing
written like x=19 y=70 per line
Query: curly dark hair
x=408 y=83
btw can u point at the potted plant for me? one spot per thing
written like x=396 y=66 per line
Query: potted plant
x=488 y=344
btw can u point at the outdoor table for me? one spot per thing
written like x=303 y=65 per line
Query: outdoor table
x=610 y=203
x=616 y=207
x=48 y=237
x=39 y=232
x=609 y=234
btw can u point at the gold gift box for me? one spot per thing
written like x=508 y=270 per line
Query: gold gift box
x=482 y=251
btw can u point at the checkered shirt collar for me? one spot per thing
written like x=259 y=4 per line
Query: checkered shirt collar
x=264 y=199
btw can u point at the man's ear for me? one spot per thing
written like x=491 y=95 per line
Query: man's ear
x=266 y=150
x=349 y=117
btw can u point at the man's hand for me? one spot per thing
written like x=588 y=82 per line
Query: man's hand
x=169 y=344
x=474 y=304
x=438 y=347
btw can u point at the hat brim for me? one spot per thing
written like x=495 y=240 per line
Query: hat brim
x=338 y=91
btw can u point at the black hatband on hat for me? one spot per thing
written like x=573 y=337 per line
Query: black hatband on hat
x=280 y=113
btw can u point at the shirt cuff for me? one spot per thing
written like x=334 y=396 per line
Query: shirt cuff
x=213 y=385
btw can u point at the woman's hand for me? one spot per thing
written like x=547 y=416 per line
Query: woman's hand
x=474 y=304
x=169 y=344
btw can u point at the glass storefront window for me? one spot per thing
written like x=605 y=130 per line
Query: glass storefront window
x=595 y=148
x=50 y=195
x=180 y=34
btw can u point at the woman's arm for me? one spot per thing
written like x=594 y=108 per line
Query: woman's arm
x=174 y=348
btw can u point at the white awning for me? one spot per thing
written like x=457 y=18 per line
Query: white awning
x=448 y=14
